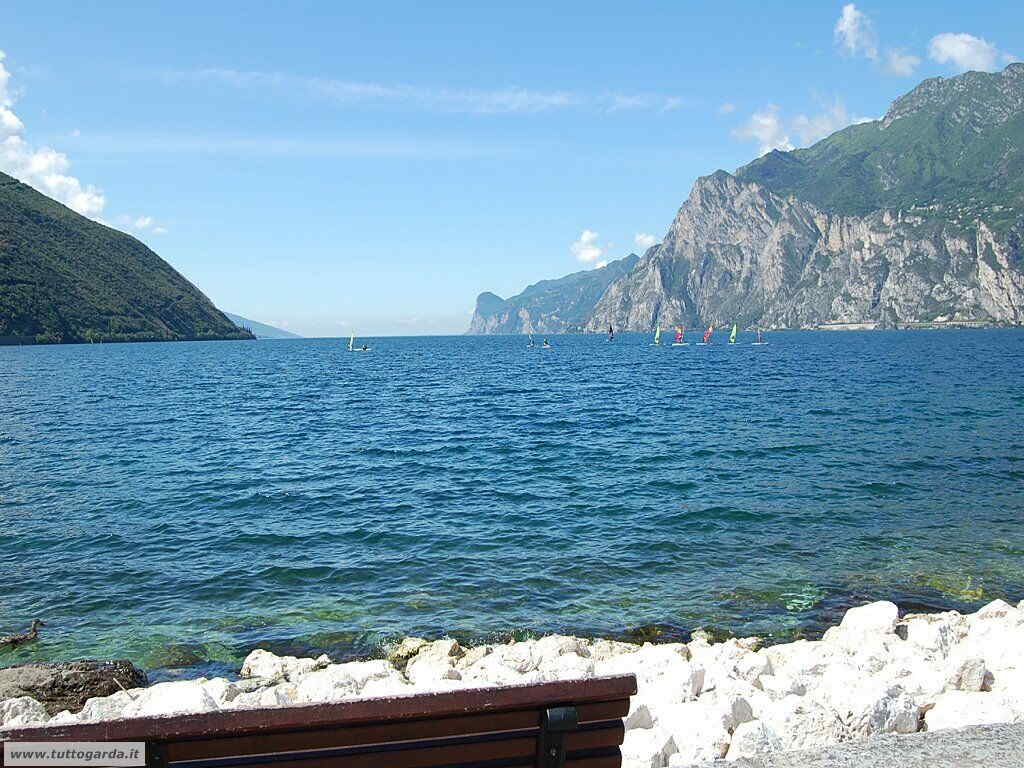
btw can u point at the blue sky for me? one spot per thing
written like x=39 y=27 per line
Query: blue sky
x=328 y=166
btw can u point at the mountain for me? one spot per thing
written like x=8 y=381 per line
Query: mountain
x=917 y=218
x=550 y=306
x=260 y=330
x=66 y=278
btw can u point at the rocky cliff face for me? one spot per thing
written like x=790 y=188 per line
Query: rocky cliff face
x=550 y=306
x=737 y=252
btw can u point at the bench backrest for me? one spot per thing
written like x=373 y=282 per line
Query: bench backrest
x=572 y=723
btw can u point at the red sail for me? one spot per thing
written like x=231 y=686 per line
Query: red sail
x=707 y=333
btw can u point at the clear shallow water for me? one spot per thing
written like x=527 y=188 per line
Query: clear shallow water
x=179 y=504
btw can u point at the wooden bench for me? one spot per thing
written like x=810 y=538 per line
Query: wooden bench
x=571 y=723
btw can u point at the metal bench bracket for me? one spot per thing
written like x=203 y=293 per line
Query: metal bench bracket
x=554 y=724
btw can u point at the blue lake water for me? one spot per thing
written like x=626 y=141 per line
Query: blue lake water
x=179 y=504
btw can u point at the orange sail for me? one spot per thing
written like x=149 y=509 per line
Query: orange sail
x=707 y=333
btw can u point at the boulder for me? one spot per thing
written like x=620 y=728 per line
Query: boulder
x=107 y=707
x=68 y=685
x=177 y=698
x=566 y=667
x=552 y=646
x=266 y=665
x=21 y=712
x=965 y=674
x=333 y=683
x=435 y=661
x=804 y=722
x=602 y=650
x=472 y=656
x=751 y=739
x=400 y=653
x=647 y=748
x=934 y=633
x=872 y=619
x=956 y=709
x=780 y=686
x=697 y=737
x=997 y=609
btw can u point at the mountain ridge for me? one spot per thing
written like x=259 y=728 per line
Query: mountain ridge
x=916 y=218
x=65 y=278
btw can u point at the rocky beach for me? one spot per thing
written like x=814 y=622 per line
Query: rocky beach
x=876 y=673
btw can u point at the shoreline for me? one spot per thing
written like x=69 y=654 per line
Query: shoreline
x=874 y=673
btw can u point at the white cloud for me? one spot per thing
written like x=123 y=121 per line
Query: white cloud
x=600 y=264
x=507 y=100
x=159 y=230
x=899 y=63
x=855 y=33
x=966 y=52
x=44 y=167
x=142 y=222
x=771 y=130
x=586 y=248
x=727 y=109
x=766 y=127
x=645 y=241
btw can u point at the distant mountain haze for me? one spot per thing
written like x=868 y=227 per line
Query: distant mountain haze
x=66 y=278
x=261 y=330
x=914 y=218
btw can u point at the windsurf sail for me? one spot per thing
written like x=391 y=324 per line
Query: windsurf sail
x=611 y=332
x=679 y=335
x=707 y=333
x=531 y=339
x=351 y=342
x=732 y=336
x=657 y=335
x=759 y=336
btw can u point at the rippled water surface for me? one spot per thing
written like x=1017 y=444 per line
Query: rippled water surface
x=181 y=503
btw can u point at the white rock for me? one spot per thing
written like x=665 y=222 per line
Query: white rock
x=264 y=664
x=22 y=711
x=647 y=748
x=435 y=661
x=697 y=738
x=472 y=656
x=956 y=709
x=108 y=707
x=965 y=674
x=804 y=722
x=781 y=686
x=520 y=657
x=401 y=652
x=639 y=715
x=363 y=672
x=874 y=618
x=221 y=690
x=935 y=633
x=553 y=646
x=491 y=670
x=997 y=609
x=331 y=684
x=386 y=686
x=64 y=717
x=868 y=707
x=177 y=698
x=751 y=739
x=602 y=650
x=566 y=667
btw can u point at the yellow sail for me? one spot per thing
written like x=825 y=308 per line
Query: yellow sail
x=657 y=335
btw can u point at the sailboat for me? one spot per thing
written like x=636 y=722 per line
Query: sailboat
x=611 y=333
x=352 y=345
x=678 y=341
x=760 y=340
x=732 y=336
x=531 y=344
x=657 y=336
x=707 y=336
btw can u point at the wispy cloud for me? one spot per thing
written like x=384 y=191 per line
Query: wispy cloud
x=645 y=241
x=44 y=168
x=727 y=109
x=586 y=248
x=772 y=130
x=855 y=35
x=506 y=100
x=966 y=52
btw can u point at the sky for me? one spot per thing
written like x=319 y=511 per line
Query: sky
x=334 y=167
